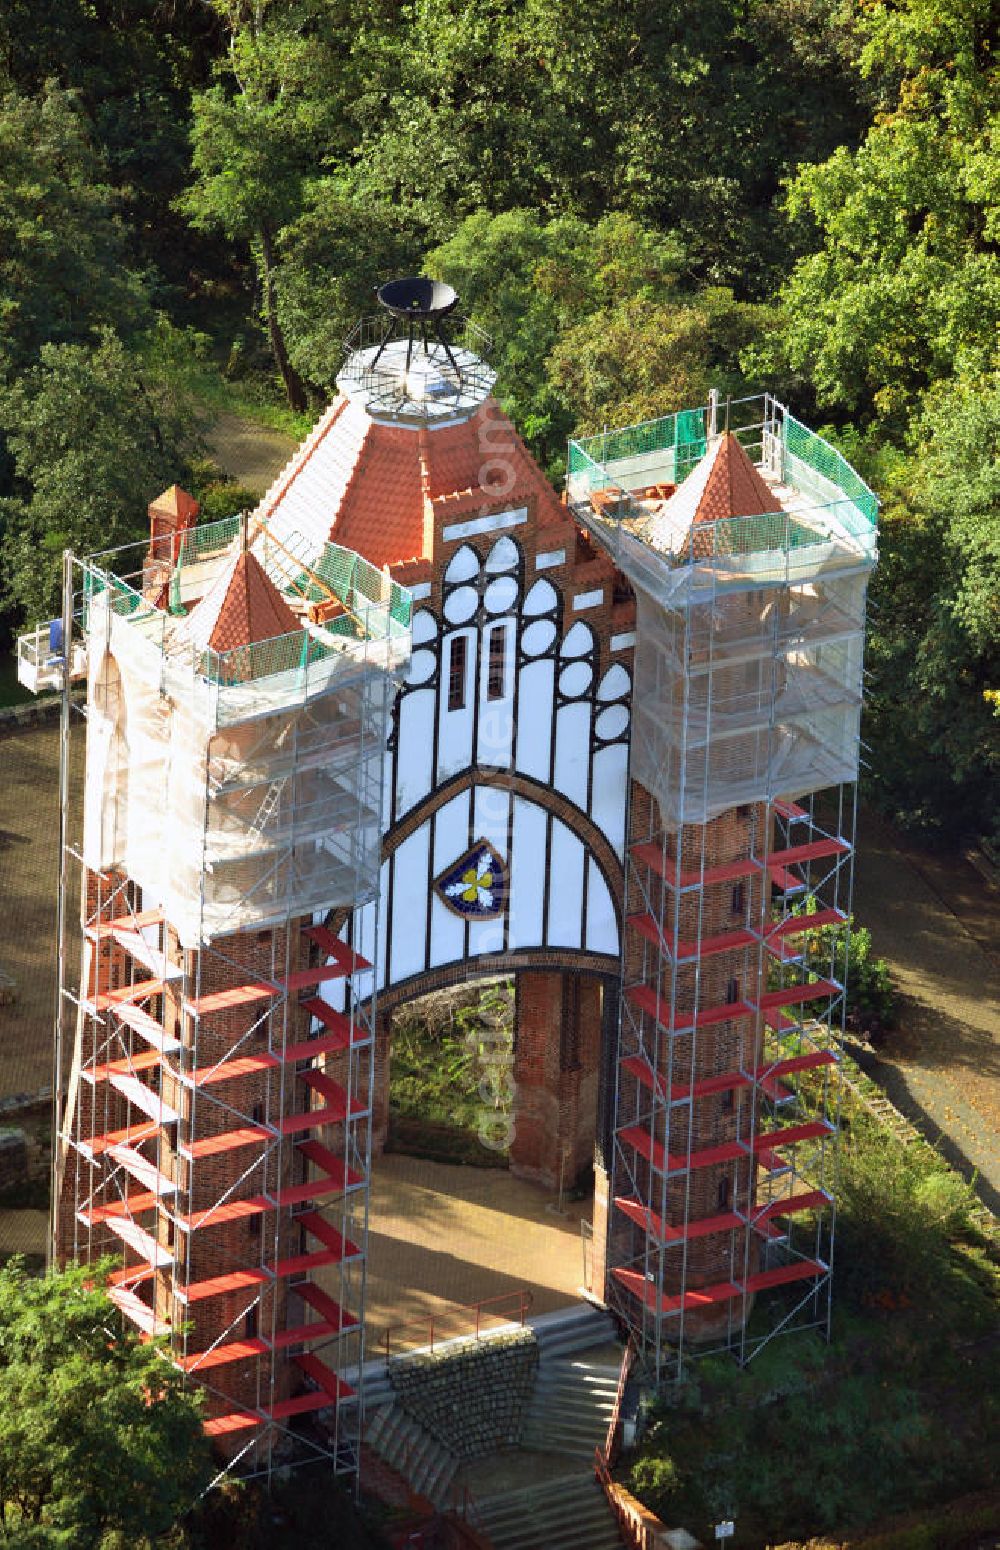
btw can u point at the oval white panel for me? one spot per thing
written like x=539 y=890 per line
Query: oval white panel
x=614 y=684
x=463 y=565
x=575 y=679
x=503 y=556
x=612 y=722
x=578 y=641
x=541 y=599
x=538 y=637
x=422 y=665
x=425 y=627
x=461 y=605
x=501 y=595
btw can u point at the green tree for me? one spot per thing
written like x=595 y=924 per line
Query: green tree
x=685 y=122
x=330 y=258
x=94 y=435
x=591 y=321
x=259 y=132
x=902 y=287
x=64 y=266
x=935 y=635
x=97 y=1430
x=639 y=360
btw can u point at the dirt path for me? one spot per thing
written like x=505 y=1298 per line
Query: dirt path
x=249 y=452
x=937 y=921
x=29 y=874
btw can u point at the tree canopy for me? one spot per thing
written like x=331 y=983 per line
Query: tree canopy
x=637 y=201
x=97 y=1432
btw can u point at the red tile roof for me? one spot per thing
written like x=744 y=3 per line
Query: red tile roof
x=250 y=608
x=733 y=488
x=381 y=514
x=378 y=488
x=175 y=503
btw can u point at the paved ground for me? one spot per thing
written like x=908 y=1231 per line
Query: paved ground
x=443 y=1234
x=938 y=923
x=23 y=1232
x=29 y=848
x=249 y=452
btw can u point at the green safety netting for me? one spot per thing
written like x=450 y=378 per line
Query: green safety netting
x=359 y=585
x=682 y=433
x=817 y=454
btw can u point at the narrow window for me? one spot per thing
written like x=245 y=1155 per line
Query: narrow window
x=456 y=673
x=733 y=991
x=496 y=676
x=739 y=899
x=251 y=1324
x=724 y=1194
x=728 y=1101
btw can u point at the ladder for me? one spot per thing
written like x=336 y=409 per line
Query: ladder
x=269 y=802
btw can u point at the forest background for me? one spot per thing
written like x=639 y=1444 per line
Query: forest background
x=638 y=199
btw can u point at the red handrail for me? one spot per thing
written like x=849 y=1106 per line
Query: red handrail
x=522 y=1299
x=612 y=1443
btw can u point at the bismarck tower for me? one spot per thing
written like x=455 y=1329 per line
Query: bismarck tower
x=417 y=719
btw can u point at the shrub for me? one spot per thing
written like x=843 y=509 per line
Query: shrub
x=655 y=1481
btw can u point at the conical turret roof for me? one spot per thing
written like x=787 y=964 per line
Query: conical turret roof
x=242 y=607
x=724 y=483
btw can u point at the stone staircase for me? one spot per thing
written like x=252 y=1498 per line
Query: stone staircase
x=568 y=1513
x=412 y=1453
x=574 y=1393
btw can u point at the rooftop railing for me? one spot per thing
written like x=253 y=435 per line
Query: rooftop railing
x=609 y=474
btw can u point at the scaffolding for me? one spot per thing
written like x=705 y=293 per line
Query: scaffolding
x=213 y=1107
x=746 y=706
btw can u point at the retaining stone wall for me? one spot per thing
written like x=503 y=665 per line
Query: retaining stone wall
x=471 y=1396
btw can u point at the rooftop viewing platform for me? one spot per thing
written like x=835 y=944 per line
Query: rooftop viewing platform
x=328 y=613
x=644 y=492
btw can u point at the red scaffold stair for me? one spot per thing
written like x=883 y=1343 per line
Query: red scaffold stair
x=724 y=1081
x=665 y=867
x=727 y=1221
x=638 y=1137
x=663 y=1306
x=329 y=1389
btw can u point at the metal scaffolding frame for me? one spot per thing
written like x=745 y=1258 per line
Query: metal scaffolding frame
x=747 y=693
x=213 y=1113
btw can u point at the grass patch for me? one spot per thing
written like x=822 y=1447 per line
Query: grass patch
x=899 y=1414
x=450 y=1075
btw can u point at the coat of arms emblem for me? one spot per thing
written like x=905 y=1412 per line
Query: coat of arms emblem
x=476 y=884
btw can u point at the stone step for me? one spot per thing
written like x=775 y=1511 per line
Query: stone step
x=570 y=1408
x=573 y=1329
x=412 y=1452
x=570 y=1513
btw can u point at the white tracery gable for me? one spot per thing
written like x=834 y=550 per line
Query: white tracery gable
x=497 y=680
x=463 y=565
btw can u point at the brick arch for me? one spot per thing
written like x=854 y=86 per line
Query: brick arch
x=494 y=966
x=594 y=839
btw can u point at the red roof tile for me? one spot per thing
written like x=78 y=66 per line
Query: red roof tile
x=382 y=511
x=734 y=488
x=250 y=609
x=377 y=488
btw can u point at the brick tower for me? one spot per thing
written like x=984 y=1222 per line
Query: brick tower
x=418 y=720
x=215 y=1127
x=749 y=553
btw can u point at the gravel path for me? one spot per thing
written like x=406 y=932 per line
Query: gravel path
x=937 y=921
x=249 y=452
